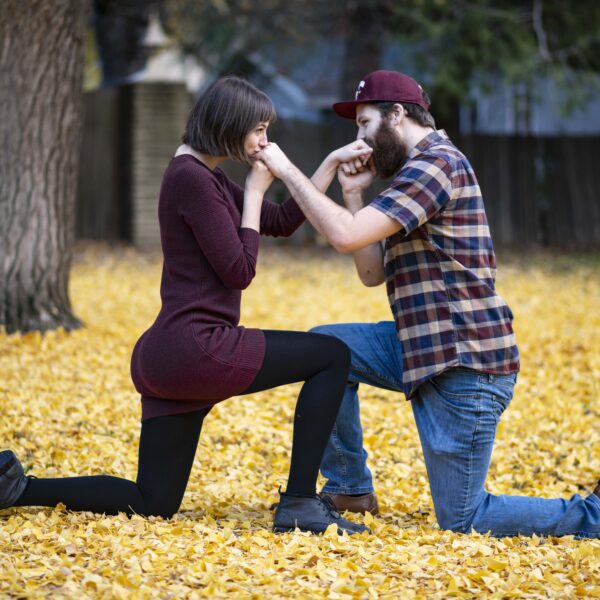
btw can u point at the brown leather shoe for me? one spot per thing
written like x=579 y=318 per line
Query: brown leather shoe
x=356 y=504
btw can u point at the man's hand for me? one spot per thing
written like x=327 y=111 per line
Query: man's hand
x=355 y=180
x=275 y=158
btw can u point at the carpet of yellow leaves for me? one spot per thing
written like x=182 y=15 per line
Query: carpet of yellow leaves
x=68 y=407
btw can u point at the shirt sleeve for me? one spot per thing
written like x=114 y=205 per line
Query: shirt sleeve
x=276 y=220
x=232 y=253
x=423 y=187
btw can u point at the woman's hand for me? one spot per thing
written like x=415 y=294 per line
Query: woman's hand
x=275 y=158
x=259 y=178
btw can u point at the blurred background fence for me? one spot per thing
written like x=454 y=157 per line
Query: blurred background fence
x=515 y=84
x=541 y=190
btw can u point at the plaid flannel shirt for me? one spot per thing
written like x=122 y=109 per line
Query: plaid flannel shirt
x=440 y=268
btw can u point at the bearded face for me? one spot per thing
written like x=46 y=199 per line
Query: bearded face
x=389 y=151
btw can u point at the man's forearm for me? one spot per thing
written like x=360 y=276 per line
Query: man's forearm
x=328 y=218
x=368 y=260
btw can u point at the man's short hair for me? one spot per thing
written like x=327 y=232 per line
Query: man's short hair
x=223 y=116
x=413 y=111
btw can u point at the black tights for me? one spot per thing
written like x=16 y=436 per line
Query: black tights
x=168 y=444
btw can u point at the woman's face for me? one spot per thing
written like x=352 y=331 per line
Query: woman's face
x=256 y=140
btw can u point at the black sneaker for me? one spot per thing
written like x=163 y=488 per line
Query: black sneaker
x=311 y=514
x=12 y=479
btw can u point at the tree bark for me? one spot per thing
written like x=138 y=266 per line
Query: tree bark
x=364 y=43
x=41 y=70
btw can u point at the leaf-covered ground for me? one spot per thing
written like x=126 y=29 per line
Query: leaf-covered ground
x=68 y=407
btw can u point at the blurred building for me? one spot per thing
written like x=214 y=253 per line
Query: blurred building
x=535 y=162
x=540 y=108
x=130 y=132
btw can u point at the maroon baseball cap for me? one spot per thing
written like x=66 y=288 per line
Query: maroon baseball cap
x=383 y=86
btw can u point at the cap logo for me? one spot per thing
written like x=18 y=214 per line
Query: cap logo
x=361 y=85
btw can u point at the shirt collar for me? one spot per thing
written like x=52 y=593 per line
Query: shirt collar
x=430 y=139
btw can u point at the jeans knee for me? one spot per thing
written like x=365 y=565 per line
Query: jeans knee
x=322 y=329
x=460 y=519
x=451 y=522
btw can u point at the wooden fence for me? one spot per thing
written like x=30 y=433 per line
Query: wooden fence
x=537 y=191
x=129 y=134
x=103 y=203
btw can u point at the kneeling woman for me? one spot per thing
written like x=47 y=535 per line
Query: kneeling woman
x=195 y=354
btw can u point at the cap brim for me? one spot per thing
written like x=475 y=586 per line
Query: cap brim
x=345 y=109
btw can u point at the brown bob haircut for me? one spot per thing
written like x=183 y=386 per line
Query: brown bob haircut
x=223 y=116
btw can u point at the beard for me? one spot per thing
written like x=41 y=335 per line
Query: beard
x=389 y=151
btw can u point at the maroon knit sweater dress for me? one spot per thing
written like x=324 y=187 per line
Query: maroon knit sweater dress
x=196 y=353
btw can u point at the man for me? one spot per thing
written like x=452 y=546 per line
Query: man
x=451 y=347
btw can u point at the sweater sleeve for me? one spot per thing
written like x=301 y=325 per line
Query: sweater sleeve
x=280 y=219
x=232 y=253
x=275 y=219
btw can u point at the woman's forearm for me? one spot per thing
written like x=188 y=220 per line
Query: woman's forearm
x=324 y=175
x=251 y=213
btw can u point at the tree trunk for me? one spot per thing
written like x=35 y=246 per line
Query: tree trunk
x=41 y=70
x=364 y=42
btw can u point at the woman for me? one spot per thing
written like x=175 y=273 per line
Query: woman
x=195 y=354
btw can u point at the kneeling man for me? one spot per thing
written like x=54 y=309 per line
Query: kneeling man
x=451 y=347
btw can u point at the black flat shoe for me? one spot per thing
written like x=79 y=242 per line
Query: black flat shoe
x=12 y=479
x=311 y=514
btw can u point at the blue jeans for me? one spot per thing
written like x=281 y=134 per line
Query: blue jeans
x=456 y=414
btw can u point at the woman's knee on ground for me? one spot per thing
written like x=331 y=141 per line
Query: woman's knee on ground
x=164 y=510
x=162 y=505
